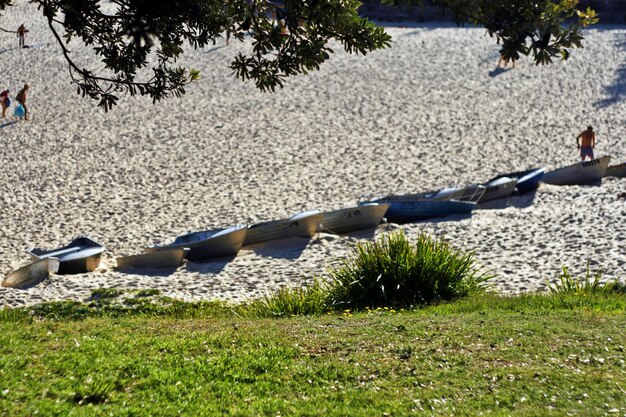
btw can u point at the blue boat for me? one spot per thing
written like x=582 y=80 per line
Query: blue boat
x=406 y=211
x=527 y=181
x=207 y=244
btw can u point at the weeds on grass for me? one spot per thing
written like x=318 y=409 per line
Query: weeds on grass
x=394 y=272
x=286 y=302
x=591 y=284
x=118 y=303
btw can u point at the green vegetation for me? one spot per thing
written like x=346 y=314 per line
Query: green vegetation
x=524 y=356
x=286 y=302
x=585 y=286
x=139 y=353
x=394 y=272
x=139 y=41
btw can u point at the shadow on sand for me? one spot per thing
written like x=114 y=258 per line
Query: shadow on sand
x=8 y=124
x=209 y=266
x=150 y=272
x=214 y=49
x=518 y=201
x=616 y=92
x=290 y=248
x=497 y=71
x=450 y=218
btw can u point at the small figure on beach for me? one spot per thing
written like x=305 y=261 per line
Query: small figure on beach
x=21 y=35
x=588 y=143
x=21 y=98
x=505 y=62
x=5 y=102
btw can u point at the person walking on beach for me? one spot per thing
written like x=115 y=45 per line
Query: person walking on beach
x=5 y=102
x=21 y=98
x=505 y=62
x=588 y=143
x=21 y=34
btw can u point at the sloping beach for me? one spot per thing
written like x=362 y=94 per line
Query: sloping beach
x=432 y=111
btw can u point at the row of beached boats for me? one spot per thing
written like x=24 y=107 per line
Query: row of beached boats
x=83 y=254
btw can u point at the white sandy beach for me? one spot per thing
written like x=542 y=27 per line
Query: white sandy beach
x=430 y=112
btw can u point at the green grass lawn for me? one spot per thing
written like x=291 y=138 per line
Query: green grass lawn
x=556 y=355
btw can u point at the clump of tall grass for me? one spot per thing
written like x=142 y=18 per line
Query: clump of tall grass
x=394 y=272
x=288 y=301
x=591 y=283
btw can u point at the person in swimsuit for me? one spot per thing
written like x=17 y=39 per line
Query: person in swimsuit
x=21 y=35
x=5 y=102
x=587 y=143
x=21 y=98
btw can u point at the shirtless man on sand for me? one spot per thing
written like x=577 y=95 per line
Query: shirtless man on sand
x=588 y=143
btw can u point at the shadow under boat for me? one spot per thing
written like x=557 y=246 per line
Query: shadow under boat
x=514 y=200
x=209 y=266
x=287 y=248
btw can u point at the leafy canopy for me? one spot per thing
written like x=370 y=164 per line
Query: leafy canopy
x=139 y=41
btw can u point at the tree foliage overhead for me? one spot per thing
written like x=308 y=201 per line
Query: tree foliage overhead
x=543 y=29
x=288 y=37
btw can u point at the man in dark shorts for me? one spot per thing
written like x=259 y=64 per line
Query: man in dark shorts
x=588 y=143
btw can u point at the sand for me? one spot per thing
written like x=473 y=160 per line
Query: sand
x=430 y=112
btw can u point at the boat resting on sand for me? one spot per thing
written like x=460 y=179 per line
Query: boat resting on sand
x=413 y=210
x=207 y=244
x=618 y=170
x=471 y=193
x=584 y=172
x=498 y=188
x=79 y=256
x=167 y=258
x=348 y=220
x=302 y=224
x=527 y=181
x=31 y=274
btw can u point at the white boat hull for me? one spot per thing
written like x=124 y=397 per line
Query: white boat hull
x=299 y=225
x=353 y=219
x=32 y=273
x=581 y=173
